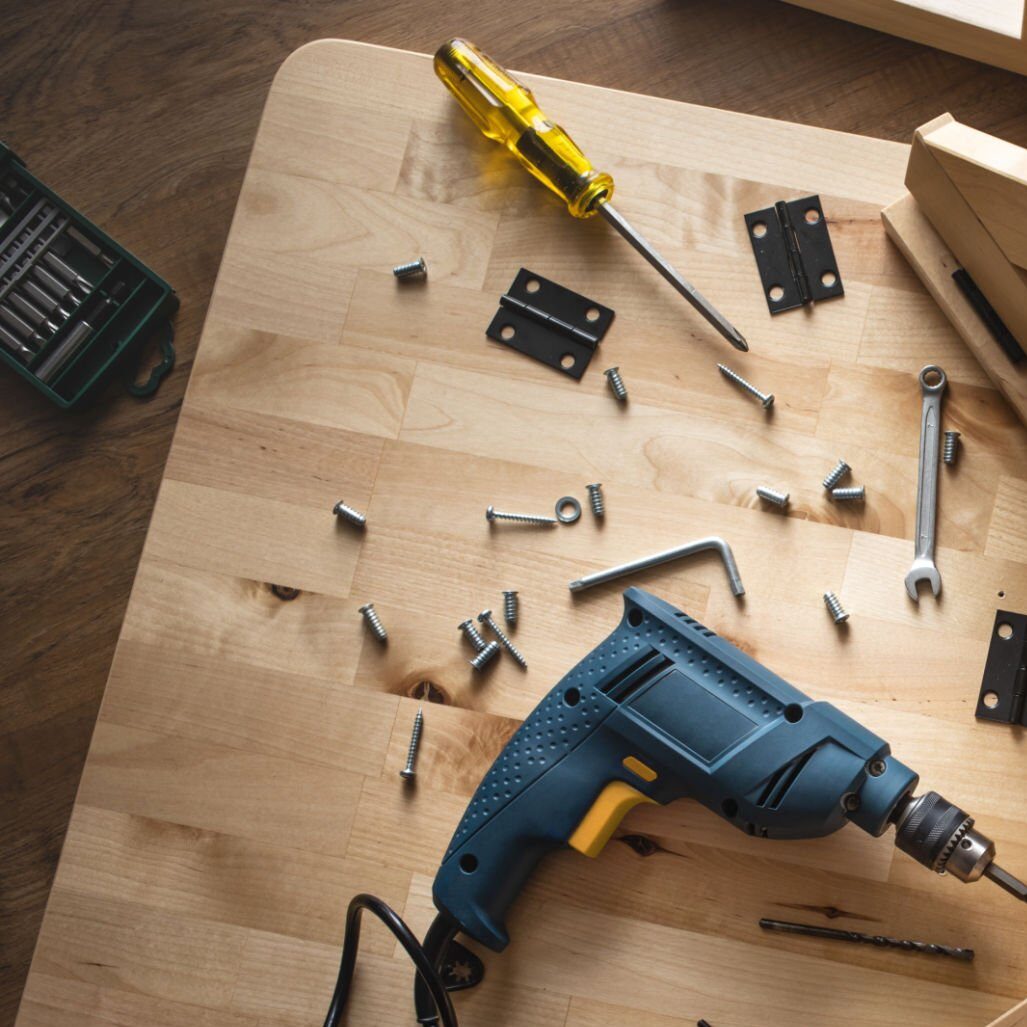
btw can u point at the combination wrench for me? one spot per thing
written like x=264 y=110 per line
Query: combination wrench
x=932 y=386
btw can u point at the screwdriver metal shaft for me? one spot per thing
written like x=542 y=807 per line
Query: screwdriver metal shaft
x=610 y=214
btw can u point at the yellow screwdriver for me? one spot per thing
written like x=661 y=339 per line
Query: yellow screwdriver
x=506 y=111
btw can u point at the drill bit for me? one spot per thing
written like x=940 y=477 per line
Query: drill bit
x=813 y=931
x=609 y=213
x=1004 y=879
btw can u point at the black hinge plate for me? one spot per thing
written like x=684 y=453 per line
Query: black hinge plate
x=989 y=315
x=794 y=254
x=1005 y=672
x=546 y=321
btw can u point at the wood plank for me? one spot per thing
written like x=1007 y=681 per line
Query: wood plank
x=243 y=777
x=959 y=226
x=934 y=262
x=991 y=175
x=991 y=31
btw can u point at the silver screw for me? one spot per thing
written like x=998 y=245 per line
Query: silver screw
x=772 y=496
x=832 y=602
x=492 y=514
x=950 y=453
x=485 y=656
x=414 y=269
x=733 y=376
x=374 y=622
x=511 y=607
x=856 y=494
x=595 y=497
x=485 y=617
x=347 y=513
x=408 y=773
x=473 y=635
x=616 y=383
x=835 y=477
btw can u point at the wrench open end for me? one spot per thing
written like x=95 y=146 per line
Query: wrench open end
x=922 y=570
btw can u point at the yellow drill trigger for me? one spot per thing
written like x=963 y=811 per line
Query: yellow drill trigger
x=599 y=823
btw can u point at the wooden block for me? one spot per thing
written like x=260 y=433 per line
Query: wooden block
x=957 y=223
x=990 y=31
x=991 y=174
x=934 y=262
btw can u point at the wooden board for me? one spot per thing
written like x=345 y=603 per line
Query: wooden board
x=242 y=781
x=990 y=31
x=934 y=262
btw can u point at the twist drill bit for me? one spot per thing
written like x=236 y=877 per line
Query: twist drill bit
x=880 y=940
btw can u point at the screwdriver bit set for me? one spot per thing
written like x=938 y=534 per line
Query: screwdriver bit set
x=74 y=305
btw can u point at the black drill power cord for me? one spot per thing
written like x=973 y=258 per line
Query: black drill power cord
x=433 y=1000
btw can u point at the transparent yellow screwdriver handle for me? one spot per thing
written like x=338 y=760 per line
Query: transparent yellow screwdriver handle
x=506 y=111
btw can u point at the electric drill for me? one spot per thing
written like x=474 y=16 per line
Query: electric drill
x=664 y=709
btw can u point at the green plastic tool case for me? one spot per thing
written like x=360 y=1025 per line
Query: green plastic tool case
x=74 y=305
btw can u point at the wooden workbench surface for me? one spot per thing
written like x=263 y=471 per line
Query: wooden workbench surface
x=242 y=781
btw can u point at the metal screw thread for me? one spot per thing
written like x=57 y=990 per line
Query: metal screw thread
x=485 y=656
x=617 y=385
x=412 y=269
x=485 y=617
x=347 y=513
x=408 y=773
x=511 y=606
x=373 y=621
x=473 y=635
x=833 y=603
x=855 y=494
x=835 y=477
x=772 y=496
x=767 y=399
x=492 y=514
x=950 y=452
x=595 y=497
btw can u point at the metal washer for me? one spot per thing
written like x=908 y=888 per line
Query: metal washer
x=575 y=513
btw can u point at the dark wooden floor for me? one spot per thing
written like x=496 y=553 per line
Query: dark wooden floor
x=142 y=114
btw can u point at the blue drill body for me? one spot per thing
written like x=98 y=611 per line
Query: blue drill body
x=663 y=709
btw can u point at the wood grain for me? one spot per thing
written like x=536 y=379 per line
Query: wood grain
x=242 y=779
x=170 y=98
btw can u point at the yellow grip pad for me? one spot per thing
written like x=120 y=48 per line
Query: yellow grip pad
x=599 y=823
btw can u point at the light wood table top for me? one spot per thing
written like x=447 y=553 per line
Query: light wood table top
x=242 y=780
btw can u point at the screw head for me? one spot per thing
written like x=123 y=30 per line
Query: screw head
x=490 y=513
x=768 y=401
x=407 y=774
x=610 y=370
x=484 y=616
x=465 y=624
x=877 y=768
x=851 y=802
x=594 y=486
x=366 y=607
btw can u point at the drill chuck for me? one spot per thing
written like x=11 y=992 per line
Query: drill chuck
x=938 y=834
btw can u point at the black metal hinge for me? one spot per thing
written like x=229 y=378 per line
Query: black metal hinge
x=1004 y=686
x=794 y=254
x=989 y=315
x=550 y=323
